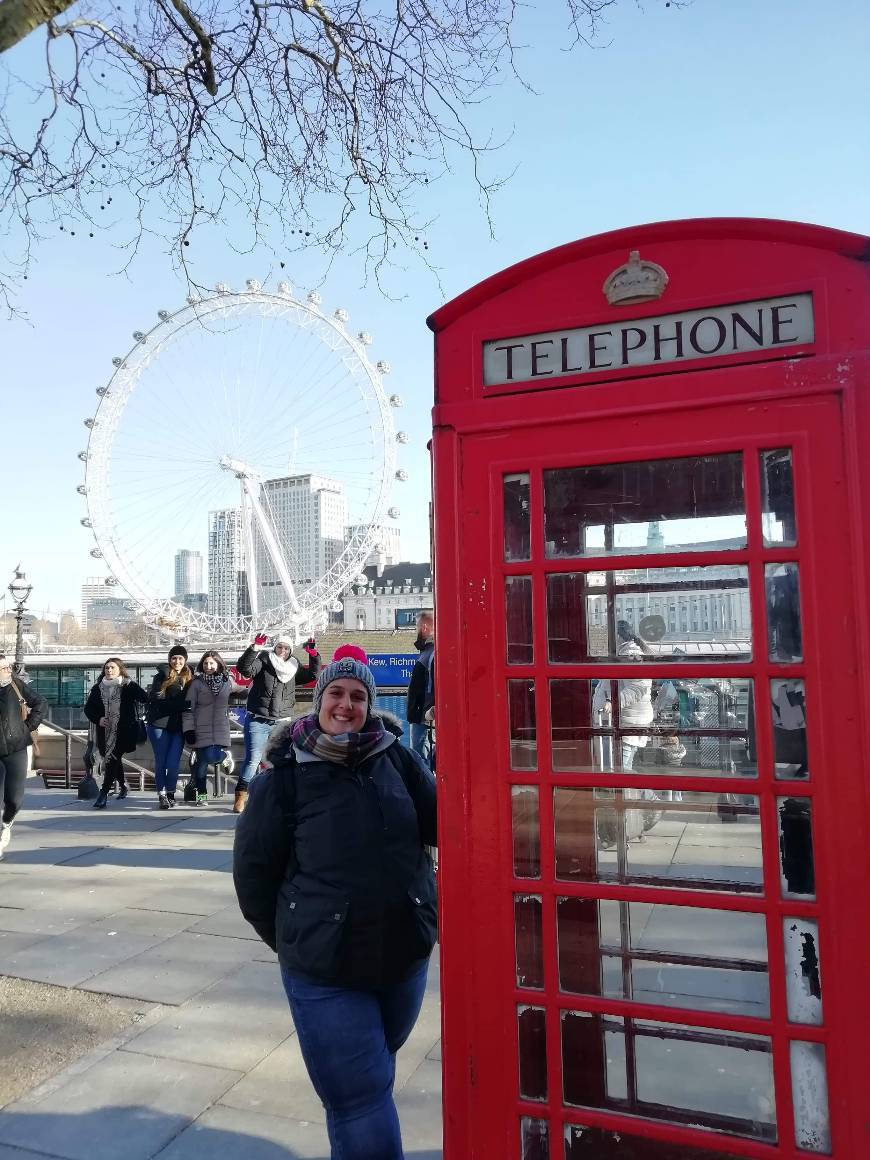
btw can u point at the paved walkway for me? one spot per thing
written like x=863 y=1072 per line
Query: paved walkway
x=137 y=903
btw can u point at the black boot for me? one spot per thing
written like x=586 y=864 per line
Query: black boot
x=122 y=792
x=102 y=799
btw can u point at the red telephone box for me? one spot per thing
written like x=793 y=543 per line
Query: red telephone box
x=650 y=477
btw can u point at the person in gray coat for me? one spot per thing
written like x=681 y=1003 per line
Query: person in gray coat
x=205 y=720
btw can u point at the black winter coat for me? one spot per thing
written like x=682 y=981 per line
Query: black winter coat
x=131 y=693
x=329 y=865
x=14 y=732
x=165 y=709
x=268 y=697
x=421 y=687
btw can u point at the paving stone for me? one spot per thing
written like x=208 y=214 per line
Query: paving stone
x=228 y=922
x=125 y=1105
x=42 y=922
x=175 y=970
x=427 y=1031
x=7 y=1153
x=234 y=1024
x=419 y=1105
x=150 y=857
x=197 y=898
x=279 y=1086
x=222 y=1131
x=91 y=948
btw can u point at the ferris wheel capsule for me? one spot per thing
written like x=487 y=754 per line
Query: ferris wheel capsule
x=314 y=298
x=139 y=336
x=252 y=285
x=222 y=288
x=102 y=392
x=117 y=362
x=90 y=423
x=403 y=437
x=96 y=553
x=86 y=523
x=384 y=367
x=393 y=513
x=163 y=315
x=341 y=315
x=284 y=288
x=396 y=401
x=193 y=300
x=81 y=489
x=83 y=456
x=401 y=475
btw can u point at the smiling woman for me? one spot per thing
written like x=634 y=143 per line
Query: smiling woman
x=331 y=871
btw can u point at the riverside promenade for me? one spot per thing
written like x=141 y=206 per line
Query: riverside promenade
x=139 y=1015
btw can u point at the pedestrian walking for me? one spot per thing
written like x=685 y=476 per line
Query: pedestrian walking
x=330 y=869
x=21 y=710
x=421 y=687
x=271 y=697
x=112 y=706
x=205 y=720
x=166 y=701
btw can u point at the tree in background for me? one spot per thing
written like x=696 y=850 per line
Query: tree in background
x=323 y=123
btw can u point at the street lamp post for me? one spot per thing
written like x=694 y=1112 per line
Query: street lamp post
x=19 y=589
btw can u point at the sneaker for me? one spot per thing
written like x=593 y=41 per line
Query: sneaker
x=122 y=792
x=170 y=797
x=5 y=835
x=202 y=799
x=162 y=802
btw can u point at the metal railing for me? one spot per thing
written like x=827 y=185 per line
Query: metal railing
x=69 y=737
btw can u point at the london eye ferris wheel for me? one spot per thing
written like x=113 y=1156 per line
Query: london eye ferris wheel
x=251 y=429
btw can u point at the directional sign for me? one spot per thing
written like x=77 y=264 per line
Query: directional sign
x=392 y=669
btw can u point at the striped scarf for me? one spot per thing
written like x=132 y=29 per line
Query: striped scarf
x=341 y=748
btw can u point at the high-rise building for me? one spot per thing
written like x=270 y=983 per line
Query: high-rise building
x=227 y=582
x=309 y=515
x=94 y=588
x=386 y=551
x=188 y=572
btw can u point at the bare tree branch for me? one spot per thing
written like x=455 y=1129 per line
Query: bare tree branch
x=287 y=124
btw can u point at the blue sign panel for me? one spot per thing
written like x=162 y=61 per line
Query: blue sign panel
x=392 y=669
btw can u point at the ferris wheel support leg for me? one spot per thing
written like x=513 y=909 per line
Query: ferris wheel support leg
x=250 y=553
x=271 y=542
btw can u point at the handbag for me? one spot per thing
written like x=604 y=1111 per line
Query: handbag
x=25 y=713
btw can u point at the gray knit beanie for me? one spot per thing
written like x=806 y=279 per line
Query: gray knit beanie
x=346 y=667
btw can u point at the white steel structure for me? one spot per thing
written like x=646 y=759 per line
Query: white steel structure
x=209 y=412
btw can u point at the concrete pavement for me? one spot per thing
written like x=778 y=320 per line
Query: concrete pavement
x=139 y=904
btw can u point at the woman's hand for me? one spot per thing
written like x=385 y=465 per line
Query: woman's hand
x=103 y=722
x=310 y=647
x=260 y=639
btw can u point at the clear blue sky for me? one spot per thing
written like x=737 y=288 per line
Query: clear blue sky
x=726 y=107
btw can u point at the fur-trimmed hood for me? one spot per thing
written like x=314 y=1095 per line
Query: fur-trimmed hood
x=279 y=743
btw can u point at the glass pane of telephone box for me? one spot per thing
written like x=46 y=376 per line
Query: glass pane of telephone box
x=518 y=619
x=674 y=956
x=654 y=506
x=517 y=536
x=522 y=724
x=697 y=841
x=584 y=1143
x=784 y=632
x=679 y=726
x=649 y=614
x=529 y=940
x=789 y=707
x=777 y=499
x=720 y=1080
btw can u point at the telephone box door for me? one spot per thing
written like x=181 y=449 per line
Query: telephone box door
x=666 y=818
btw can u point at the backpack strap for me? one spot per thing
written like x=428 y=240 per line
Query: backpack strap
x=285 y=775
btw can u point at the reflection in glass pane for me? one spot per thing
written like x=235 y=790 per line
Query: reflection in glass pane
x=698 y=727
x=528 y=930
x=797 y=865
x=803 y=976
x=677 y=956
x=706 y=842
x=784 y=638
x=518 y=619
x=788 y=703
x=582 y=1143
x=685 y=1075
x=657 y=614
x=525 y=825
x=809 y=1093
x=532 y=1039
x=534 y=1139
x=517 y=536
x=663 y=505
x=522 y=724
x=777 y=499
x=566 y=625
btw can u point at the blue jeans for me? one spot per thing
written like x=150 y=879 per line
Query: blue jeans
x=420 y=740
x=256 y=736
x=167 y=749
x=349 y=1040
x=204 y=758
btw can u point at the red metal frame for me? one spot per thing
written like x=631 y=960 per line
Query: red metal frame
x=479 y=436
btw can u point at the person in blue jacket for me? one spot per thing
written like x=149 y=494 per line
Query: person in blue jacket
x=331 y=870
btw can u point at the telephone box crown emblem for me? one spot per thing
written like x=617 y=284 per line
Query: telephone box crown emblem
x=636 y=281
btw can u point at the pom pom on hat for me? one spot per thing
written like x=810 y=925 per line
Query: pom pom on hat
x=351 y=650
x=347 y=666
